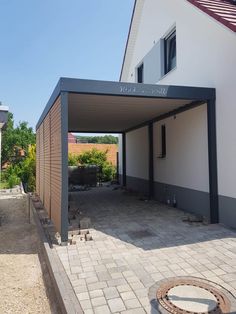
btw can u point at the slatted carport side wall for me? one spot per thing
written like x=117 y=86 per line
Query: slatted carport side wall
x=37 y=162
x=47 y=164
x=41 y=163
x=56 y=163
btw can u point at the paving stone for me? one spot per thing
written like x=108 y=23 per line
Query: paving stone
x=85 y=304
x=233 y=284
x=132 y=304
x=116 y=282
x=128 y=295
x=123 y=288
x=88 y=269
x=91 y=279
x=83 y=296
x=96 y=293
x=144 y=301
x=80 y=289
x=128 y=273
x=99 y=268
x=150 y=309
x=136 y=285
x=116 y=264
x=174 y=266
x=116 y=305
x=136 y=311
x=104 y=309
x=111 y=265
x=76 y=269
x=98 y=301
x=218 y=271
x=132 y=279
x=103 y=275
x=97 y=286
x=111 y=293
x=89 y=311
x=116 y=275
x=141 y=292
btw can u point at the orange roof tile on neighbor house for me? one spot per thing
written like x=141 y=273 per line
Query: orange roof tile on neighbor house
x=79 y=148
x=71 y=138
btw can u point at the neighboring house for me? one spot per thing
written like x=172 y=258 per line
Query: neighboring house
x=71 y=138
x=111 y=149
x=185 y=43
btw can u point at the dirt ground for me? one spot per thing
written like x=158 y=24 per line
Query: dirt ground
x=23 y=273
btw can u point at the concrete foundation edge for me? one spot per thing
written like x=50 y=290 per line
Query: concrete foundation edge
x=190 y=200
x=227 y=211
x=65 y=294
x=137 y=184
x=193 y=201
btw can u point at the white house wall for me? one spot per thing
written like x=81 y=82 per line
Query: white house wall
x=182 y=176
x=205 y=57
x=137 y=159
x=186 y=161
x=120 y=154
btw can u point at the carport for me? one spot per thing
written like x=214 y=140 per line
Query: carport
x=78 y=105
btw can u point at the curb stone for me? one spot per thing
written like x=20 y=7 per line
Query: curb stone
x=65 y=294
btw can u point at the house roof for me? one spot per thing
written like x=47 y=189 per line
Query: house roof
x=224 y=11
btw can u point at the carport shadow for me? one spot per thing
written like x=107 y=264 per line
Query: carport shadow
x=145 y=224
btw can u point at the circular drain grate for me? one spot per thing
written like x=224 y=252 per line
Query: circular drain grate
x=182 y=295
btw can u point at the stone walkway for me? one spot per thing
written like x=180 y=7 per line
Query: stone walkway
x=137 y=243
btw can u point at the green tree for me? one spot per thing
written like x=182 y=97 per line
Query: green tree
x=106 y=139
x=15 y=139
x=20 y=168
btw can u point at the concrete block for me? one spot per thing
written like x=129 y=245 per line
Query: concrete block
x=85 y=223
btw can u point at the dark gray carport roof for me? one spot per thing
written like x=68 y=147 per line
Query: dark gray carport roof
x=105 y=106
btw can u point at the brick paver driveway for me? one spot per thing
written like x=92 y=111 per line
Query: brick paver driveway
x=137 y=243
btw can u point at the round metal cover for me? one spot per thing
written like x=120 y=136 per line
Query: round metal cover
x=182 y=295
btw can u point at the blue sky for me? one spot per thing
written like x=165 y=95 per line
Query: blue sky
x=43 y=40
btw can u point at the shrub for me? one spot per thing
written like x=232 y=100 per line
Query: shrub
x=98 y=158
x=24 y=171
x=73 y=160
x=11 y=176
x=12 y=181
x=28 y=169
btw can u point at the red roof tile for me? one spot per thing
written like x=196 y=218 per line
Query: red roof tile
x=224 y=11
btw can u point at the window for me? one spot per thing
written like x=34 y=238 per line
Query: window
x=140 y=73
x=170 y=52
x=163 y=141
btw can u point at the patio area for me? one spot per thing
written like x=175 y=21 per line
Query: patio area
x=135 y=244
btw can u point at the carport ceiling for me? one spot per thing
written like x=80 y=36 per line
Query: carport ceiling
x=104 y=106
x=108 y=113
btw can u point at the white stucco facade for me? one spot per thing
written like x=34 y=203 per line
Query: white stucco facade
x=186 y=161
x=206 y=53
x=136 y=154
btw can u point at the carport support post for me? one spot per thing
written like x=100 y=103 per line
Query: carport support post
x=212 y=159
x=123 y=159
x=150 y=145
x=64 y=170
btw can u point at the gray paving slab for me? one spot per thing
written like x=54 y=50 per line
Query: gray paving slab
x=118 y=267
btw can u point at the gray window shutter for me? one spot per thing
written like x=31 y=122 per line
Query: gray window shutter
x=154 y=63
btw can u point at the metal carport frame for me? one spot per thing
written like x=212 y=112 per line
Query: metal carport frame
x=128 y=106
